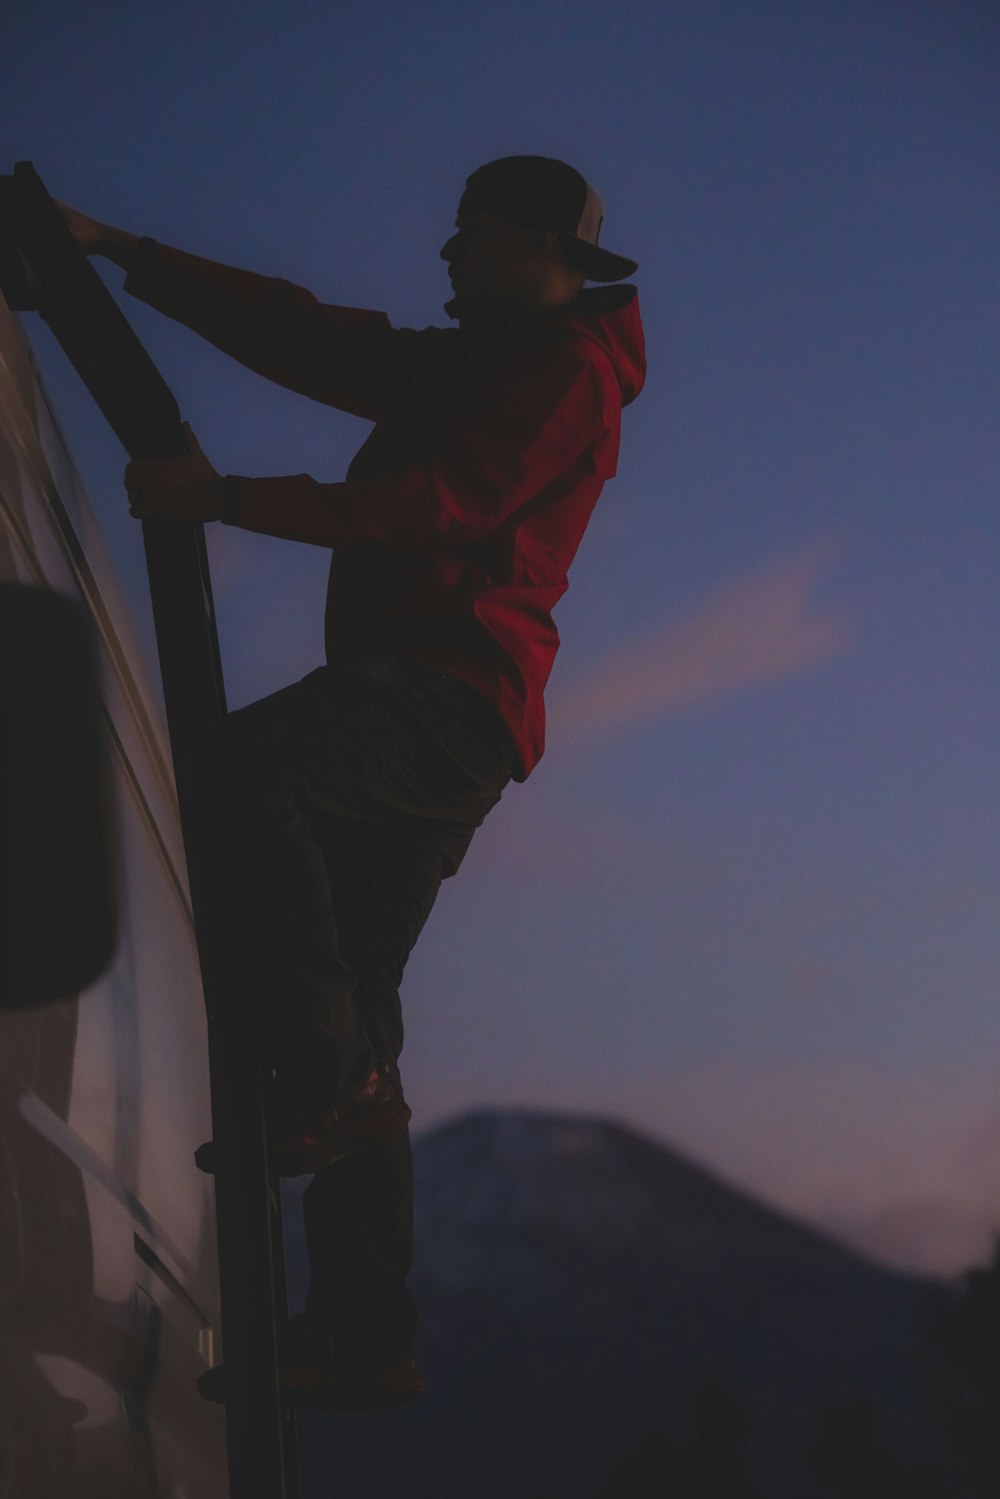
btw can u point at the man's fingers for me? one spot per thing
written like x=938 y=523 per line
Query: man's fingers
x=139 y=475
x=186 y=487
x=88 y=233
x=169 y=470
x=188 y=499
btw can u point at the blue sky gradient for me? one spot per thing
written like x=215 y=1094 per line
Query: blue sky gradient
x=747 y=901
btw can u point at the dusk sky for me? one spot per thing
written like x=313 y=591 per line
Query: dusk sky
x=748 y=901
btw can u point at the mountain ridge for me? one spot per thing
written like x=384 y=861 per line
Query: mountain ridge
x=588 y=1130
x=579 y=1283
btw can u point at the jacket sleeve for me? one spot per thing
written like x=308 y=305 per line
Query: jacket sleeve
x=544 y=421
x=343 y=356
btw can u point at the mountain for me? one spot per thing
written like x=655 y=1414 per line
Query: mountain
x=578 y=1285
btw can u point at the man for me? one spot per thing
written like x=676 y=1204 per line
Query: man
x=332 y=810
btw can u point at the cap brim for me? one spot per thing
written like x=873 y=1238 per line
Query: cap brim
x=601 y=265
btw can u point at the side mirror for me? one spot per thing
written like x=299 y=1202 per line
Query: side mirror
x=15 y=276
x=57 y=885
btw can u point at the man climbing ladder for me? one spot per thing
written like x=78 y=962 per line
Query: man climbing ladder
x=330 y=811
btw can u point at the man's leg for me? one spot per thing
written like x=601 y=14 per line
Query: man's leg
x=449 y=762
x=257 y=783
x=329 y=813
x=358 y=1212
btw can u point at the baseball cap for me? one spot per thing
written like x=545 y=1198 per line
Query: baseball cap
x=539 y=192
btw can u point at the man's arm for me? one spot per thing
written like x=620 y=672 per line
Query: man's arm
x=554 y=419
x=95 y=238
x=346 y=357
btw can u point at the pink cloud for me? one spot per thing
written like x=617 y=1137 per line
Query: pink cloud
x=747 y=634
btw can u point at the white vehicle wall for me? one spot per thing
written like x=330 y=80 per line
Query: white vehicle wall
x=109 y=1303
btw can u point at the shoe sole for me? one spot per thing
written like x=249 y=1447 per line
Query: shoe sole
x=310 y=1388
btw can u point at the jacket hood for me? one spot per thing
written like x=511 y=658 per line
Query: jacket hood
x=609 y=317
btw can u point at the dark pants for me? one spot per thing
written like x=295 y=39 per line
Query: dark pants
x=329 y=813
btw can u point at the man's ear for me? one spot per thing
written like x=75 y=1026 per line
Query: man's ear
x=546 y=240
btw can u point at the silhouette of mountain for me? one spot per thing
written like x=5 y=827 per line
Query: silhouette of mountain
x=578 y=1285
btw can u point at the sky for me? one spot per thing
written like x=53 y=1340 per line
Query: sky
x=747 y=901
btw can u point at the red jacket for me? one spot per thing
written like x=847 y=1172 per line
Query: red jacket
x=454 y=530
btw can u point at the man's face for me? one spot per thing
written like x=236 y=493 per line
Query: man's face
x=491 y=257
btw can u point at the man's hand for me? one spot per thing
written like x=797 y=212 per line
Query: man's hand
x=95 y=238
x=88 y=233
x=184 y=488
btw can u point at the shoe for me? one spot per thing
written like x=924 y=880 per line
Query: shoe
x=343 y=1385
x=316 y=1376
x=375 y=1114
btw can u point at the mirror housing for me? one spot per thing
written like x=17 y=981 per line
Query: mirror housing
x=57 y=878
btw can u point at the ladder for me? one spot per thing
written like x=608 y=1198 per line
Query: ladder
x=43 y=269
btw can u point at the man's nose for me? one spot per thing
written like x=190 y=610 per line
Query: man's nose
x=448 y=248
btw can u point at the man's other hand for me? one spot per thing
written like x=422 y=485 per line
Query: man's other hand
x=184 y=488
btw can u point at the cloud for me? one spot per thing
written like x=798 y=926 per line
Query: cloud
x=748 y=633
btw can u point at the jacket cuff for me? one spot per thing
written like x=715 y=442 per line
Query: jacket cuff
x=136 y=253
x=230 y=500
